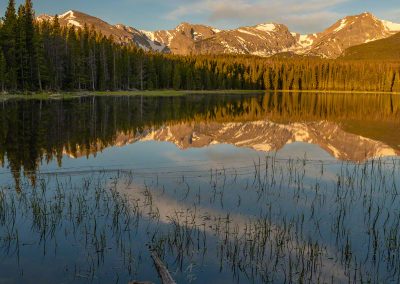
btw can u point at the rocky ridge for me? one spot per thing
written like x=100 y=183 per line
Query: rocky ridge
x=265 y=39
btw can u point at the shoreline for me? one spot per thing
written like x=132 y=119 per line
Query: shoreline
x=168 y=93
x=158 y=93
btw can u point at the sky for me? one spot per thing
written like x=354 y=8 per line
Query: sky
x=305 y=16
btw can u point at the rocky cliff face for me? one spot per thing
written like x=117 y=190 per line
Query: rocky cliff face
x=265 y=40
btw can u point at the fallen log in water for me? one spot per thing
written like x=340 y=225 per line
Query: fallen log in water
x=166 y=278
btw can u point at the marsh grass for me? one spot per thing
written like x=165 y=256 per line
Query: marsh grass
x=276 y=220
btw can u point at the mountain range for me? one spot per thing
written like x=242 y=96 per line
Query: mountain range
x=266 y=39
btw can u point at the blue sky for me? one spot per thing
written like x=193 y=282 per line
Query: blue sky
x=299 y=15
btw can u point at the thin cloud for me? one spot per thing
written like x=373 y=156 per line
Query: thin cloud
x=393 y=15
x=299 y=15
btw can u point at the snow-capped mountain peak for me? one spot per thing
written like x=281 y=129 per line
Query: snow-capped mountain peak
x=70 y=18
x=265 y=39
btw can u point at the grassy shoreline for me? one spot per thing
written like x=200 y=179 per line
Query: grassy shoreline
x=166 y=93
x=158 y=93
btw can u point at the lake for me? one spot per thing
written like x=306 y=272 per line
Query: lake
x=268 y=188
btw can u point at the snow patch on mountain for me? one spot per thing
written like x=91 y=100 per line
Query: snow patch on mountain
x=342 y=25
x=180 y=27
x=306 y=40
x=391 y=27
x=371 y=39
x=69 y=14
x=71 y=19
x=268 y=27
x=155 y=46
x=74 y=23
x=261 y=53
x=243 y=42
x=247 y=32
x=197 y=35
x=150 y=35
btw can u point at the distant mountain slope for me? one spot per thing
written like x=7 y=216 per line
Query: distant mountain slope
x=79 y=19
x=120 y=33
x=269 y=39
x=384 y=49
x=351 y=31
x=265 y=40
x=182 y=39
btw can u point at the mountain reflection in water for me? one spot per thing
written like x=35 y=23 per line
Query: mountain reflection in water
x=353 y=127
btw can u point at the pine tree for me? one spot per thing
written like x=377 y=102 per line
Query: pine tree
x=3 y=66
x=21 y=51
x=177 y=79
x=30 y=45
x=8 y=43
x=54 y=52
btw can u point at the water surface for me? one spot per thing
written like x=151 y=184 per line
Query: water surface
x=281 y=187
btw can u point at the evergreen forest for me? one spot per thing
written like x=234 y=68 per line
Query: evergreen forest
x=38 y=56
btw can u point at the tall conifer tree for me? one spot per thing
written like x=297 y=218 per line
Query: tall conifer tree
x=9 y=45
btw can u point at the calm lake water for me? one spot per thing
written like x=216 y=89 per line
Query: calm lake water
x=272 y=188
